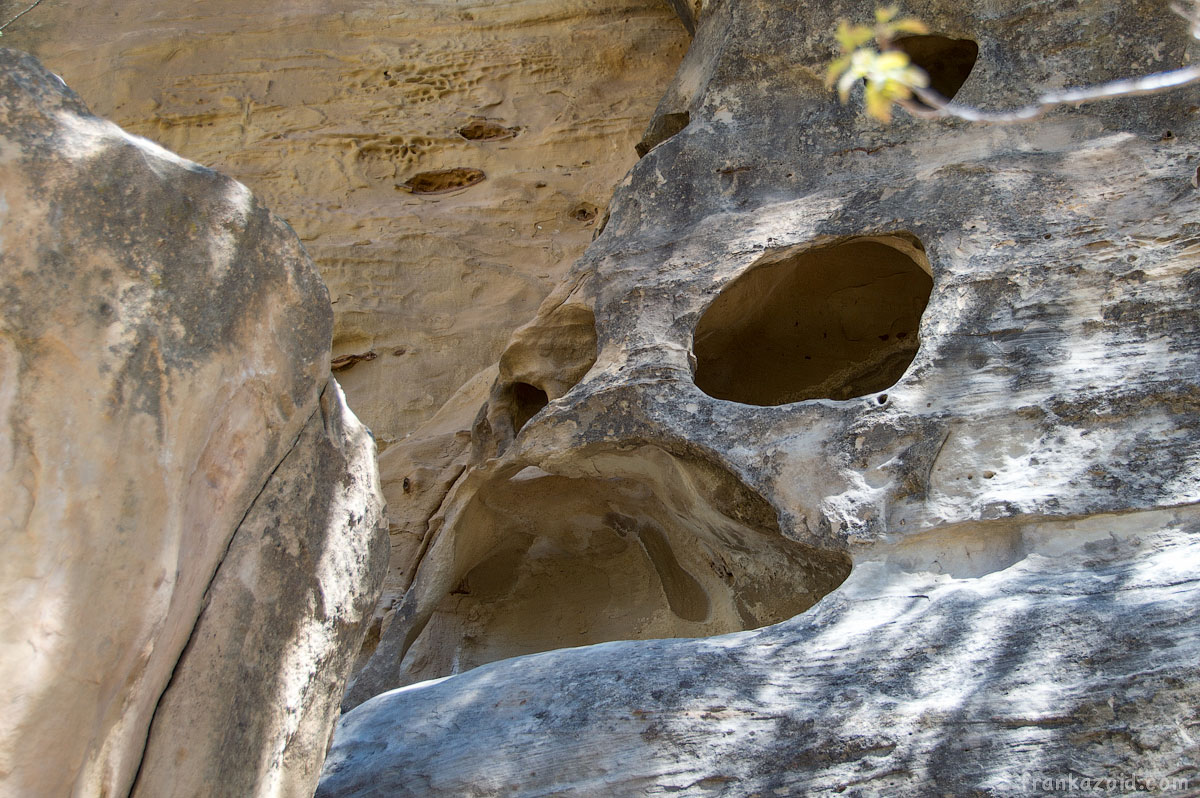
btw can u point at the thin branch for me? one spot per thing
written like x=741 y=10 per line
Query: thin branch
x=36 y=3
x=936 y=105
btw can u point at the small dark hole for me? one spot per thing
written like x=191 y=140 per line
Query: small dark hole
x=882 y=399
x=662 y=128
x=527 y=401
x=947 y=61
x=584 y=212
x=486 y=130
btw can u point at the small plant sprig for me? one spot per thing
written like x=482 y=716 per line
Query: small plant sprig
x=890 y=76
x=893 y=79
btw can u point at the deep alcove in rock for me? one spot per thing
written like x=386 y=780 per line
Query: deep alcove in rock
x=830 y=321
x=650 y=545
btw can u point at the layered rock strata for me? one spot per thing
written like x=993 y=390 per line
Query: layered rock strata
x=960 y=358
x=444 y=163
x=181 y=478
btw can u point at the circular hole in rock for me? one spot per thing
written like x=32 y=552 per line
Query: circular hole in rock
x=584 y=212
x=831 y=322
x=645 y=545
x=948 y=62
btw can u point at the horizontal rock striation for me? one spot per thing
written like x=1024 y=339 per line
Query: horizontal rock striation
x=332 y=112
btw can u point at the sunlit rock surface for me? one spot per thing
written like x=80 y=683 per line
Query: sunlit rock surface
x=355 y=120
x=1014 y=490
x=172 y=451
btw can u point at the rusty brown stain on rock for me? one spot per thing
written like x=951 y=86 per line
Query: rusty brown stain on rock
x=344 y=362
x=441 y=181
x=481 y=129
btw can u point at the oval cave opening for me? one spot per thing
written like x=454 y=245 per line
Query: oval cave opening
x=836 y=321
x=641 y=544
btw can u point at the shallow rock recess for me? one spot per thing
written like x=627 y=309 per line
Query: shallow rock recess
x=193 y=537
x=957 y=362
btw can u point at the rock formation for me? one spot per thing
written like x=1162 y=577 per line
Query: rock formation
x=941 y=379
x=344 y=115
x=192 y=529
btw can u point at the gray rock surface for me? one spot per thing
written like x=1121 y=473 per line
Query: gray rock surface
x=1016 y=492
x=901 y=683
x=252 y=702
x=164 y=344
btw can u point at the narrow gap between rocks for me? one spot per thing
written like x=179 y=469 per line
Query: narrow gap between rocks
x=662 y=128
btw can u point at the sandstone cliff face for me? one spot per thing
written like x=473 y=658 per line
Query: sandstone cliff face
x=165 y=409
x=955 y=362
x=348 y=119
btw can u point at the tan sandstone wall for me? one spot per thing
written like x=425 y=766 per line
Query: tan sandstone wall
x=326 y=108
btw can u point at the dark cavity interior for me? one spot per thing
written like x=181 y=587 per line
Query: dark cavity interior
x=833 y=322
x=646 y=545
x=948 y=62
x=527 y=401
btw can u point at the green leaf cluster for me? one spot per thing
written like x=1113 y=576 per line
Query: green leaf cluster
x=889 y=73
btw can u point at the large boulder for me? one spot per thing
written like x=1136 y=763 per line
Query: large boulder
x=165 y=406
x=938 y=381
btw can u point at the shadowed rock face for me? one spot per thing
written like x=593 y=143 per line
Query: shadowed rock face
x=632 y=544
x=1016 y=491
x=191 y=514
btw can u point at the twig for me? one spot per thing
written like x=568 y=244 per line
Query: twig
x=36 y=3
x=936 y=105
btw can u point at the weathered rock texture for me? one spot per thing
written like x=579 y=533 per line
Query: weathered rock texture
x=253 y=700
x=337 y=113
x=165 y=402
x=1017 y=492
